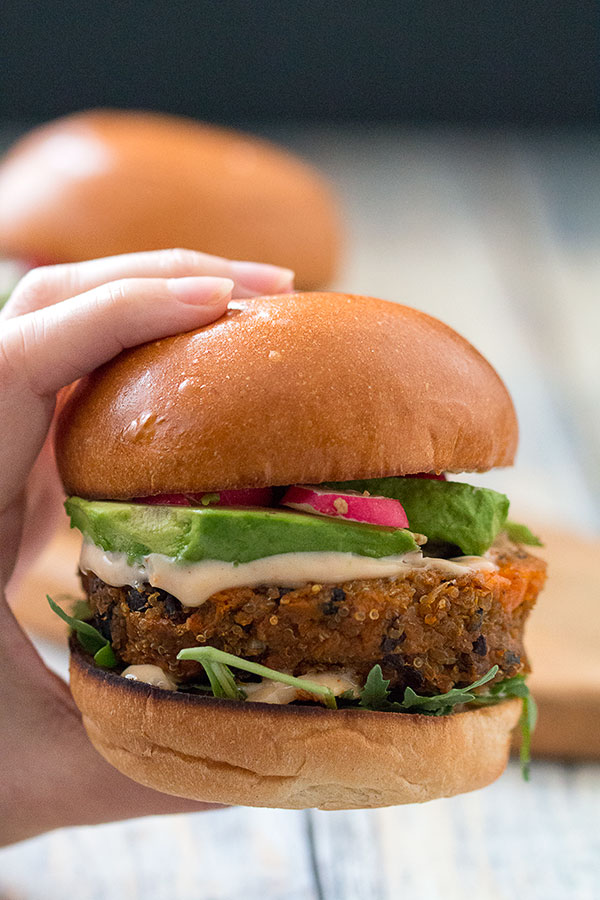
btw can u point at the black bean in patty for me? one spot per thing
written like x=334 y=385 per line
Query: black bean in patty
x=480 y=646
x=338 y=595
x=137 y=601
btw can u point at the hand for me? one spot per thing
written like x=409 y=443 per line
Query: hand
x=61 y=323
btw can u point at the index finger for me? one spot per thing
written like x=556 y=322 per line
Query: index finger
x=47 y=285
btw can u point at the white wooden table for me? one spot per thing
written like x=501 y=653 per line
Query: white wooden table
x=499 y=236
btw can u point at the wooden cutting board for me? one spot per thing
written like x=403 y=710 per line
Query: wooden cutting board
x=563 y=637
x=54 y=573
x=563 y=642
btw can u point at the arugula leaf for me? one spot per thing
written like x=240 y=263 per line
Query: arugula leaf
x=521 y=534
x=88 y=636
x=216 y=664
x=348 y=696
x=105 y=657
x=443 y=704
x=527 y=723
x=80 y=609
x=375 y=695
x=222 y=681
x=504 y=690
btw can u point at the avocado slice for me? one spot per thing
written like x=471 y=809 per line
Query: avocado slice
x=236 y=535
x=448 y=511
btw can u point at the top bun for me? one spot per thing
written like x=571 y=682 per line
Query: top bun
x=105 y=182
x=293 y=388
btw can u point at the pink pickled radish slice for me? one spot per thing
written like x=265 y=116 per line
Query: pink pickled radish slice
x=432 y=475
x=349 y=505
x=243 y=497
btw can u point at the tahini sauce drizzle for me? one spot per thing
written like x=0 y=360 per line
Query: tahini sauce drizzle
x=193 y=583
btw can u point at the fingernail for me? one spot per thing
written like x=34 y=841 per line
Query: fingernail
x=261 y=277
x=200 y=290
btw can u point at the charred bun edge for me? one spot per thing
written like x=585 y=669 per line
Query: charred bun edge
x=294 y=757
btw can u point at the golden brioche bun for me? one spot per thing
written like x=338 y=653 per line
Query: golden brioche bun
x=104 y=182
x=291 y=757
x=293 y=388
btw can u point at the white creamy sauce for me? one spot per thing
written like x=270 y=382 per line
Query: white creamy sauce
x=153 y=675
x=193 y=583
x=267 y=691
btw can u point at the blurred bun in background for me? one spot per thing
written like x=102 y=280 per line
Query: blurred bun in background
x=103 y=182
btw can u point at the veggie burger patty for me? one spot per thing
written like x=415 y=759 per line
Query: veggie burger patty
x=428 y=631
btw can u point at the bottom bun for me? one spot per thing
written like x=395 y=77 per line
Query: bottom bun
x=292 y=757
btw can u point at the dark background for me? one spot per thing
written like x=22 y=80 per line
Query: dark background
x=236 y=61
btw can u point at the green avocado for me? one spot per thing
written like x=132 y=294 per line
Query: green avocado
x=448 y=511
x=234 y=535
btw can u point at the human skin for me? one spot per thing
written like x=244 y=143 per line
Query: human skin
x=60 y=323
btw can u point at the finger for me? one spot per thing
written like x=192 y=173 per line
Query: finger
x=50 y=284
x=42 y=351
x=54 y=346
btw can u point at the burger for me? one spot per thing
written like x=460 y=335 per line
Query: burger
x=291 y=601
x=105 y=182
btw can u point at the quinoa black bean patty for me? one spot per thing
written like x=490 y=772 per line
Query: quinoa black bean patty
x=428 y=631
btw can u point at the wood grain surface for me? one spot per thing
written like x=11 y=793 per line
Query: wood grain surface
x=563 y=640
x=511 y=841
x=497 y=234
